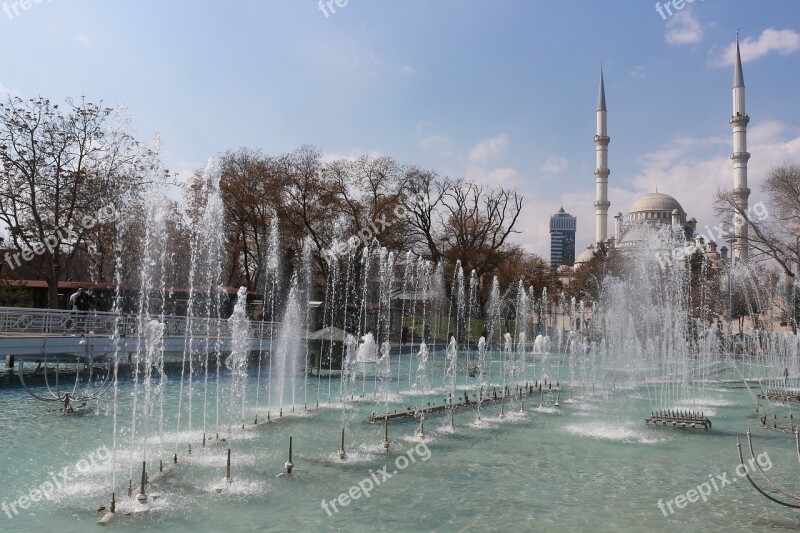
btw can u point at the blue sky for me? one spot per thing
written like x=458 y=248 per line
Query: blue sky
x=502 y=92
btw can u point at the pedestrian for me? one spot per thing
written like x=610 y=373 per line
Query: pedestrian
x=72 y=304
x=83 y=301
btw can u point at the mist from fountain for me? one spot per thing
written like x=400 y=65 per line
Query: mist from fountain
x=272 y=282
x=642 y=333
x=436 y=294
x=236 y=362
x=451 y=358
x=472 y=302
x=288 y=349
x=422 y=382
x=148 y=387
x=523 y=312
x=367 y=349
x=308 y=293
x=481 y=369
x=383 y=370
x=408 y=268
x=206 y=249
x=508 y=364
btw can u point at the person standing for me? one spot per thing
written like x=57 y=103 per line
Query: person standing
x=72 y=304
x=83 y=302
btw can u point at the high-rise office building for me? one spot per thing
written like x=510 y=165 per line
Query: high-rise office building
x=562 y=239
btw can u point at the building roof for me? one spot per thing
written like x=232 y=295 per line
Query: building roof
x=562 y=213
x=586 y=255
x=601 y=94
x=656 y=202
x=738 y=78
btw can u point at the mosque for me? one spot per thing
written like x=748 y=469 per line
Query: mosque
x=660 y=208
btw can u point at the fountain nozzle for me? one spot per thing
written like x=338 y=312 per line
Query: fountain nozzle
x=342 y=453
x=386 y=433
x=142 y=497
x=289 y=464
x=228 y=468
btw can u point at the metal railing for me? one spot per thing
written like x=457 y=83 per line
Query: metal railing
x=26 y=321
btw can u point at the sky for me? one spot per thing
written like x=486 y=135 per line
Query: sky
x=502 y=92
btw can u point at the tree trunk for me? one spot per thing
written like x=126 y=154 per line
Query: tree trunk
x=52 y=293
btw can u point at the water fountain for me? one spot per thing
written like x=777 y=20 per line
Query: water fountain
x=639 y=355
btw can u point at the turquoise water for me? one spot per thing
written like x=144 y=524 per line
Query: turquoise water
x=590 y=464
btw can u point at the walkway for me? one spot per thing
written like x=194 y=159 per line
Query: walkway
x=30 y=334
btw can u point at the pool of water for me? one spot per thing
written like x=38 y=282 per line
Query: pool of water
x=590 y=463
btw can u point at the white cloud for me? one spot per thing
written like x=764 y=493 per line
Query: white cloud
x=497 y=177
x=680 y=147
x=676 y=170
x=352 y=155
x=784 y=42
x=690 y=169
x=439 y=144
x=637 y=72
x=534 y=221
x=373 y=57
x=684 y=28
x=501 y=177
x=84 y=40
x=534 y=225
x=489 y=149
x=555 y=164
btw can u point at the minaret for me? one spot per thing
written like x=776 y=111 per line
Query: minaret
x=739 y=156
x=601 y=140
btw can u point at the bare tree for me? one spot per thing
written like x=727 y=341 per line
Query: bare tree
x=774 y=233
x=774 y=230
x=369 y=191
x=371 y=198
x=59 y=169
x=312 y=206
x=253 y=190
x=477 y=224
x=425 y=196
x=461 y=220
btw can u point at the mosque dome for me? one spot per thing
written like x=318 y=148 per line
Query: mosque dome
x=585 y=256
x=655 y=202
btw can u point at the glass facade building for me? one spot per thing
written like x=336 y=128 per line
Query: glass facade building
x=562 y=239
